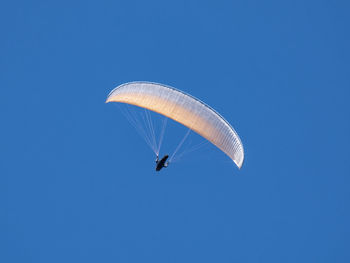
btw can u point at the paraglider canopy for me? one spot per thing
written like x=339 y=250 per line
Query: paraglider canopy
x=185 y=109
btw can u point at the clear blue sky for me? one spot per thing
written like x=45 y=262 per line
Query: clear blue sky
x=77 y=184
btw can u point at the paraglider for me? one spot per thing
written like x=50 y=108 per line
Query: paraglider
x=184 y=109
x=161 y=163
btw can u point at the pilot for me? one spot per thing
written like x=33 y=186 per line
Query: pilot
x=161 y=163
